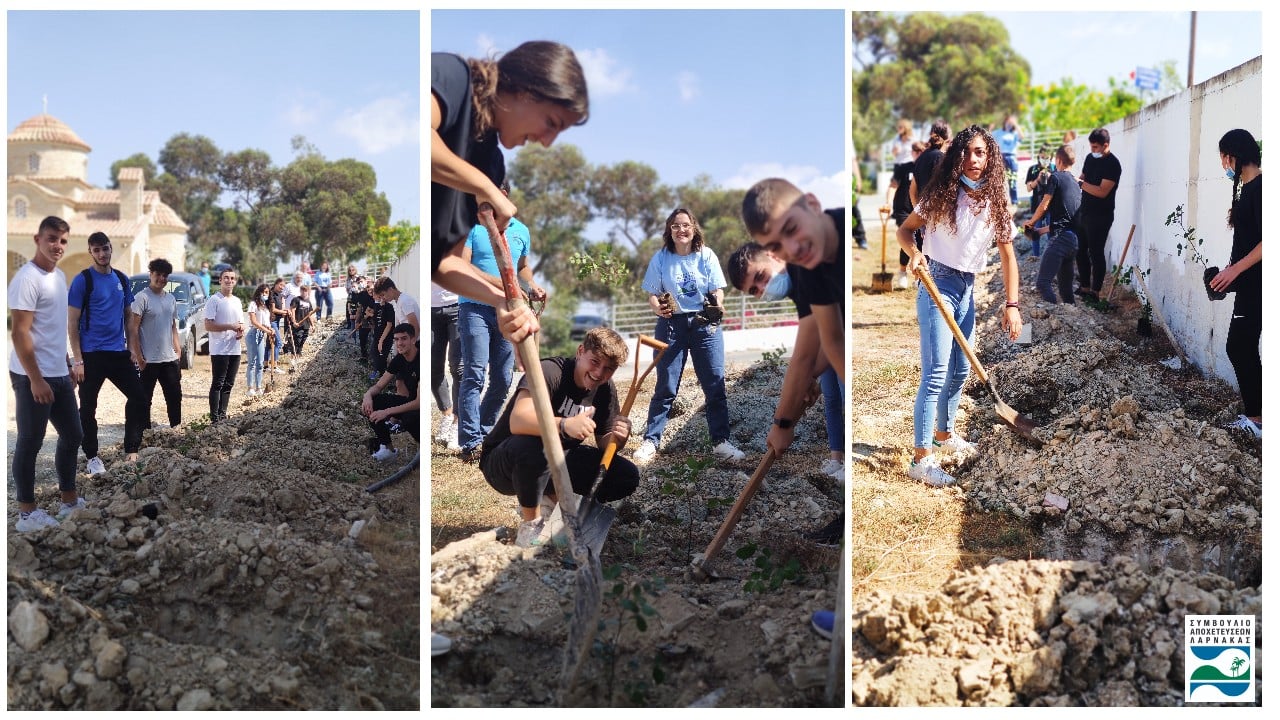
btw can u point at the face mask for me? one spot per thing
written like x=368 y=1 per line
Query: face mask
x=777 y=288
x=1095 y=156
x=264 y=297
x=972 y=184
x=1231 y=174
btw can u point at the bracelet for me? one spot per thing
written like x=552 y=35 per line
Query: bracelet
x=1010 y=305
x=562 y=433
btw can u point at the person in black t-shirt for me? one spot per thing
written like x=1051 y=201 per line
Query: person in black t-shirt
x=585 y=402
x=1059 y=206
x=301 y=312
x=1098 y=179
x=387 y=412
x=384 y=319
x=1242 y=161
x=900 y=205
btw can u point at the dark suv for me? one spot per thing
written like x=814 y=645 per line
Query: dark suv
x=189 y=292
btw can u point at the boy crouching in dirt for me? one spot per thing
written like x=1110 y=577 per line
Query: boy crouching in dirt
x=399 y=412
x=582 y=393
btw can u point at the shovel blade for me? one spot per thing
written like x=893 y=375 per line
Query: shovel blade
x=594 y=521
x=1020 y=423
x=582 y=626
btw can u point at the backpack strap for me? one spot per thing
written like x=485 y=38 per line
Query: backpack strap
x=87 y=274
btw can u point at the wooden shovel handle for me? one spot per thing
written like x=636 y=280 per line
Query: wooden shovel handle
x=923 y=273
x=637 y=379
x=1115 y=277
x=739 y=505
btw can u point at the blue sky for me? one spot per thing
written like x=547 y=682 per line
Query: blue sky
x=738 y=95
x=126 y=82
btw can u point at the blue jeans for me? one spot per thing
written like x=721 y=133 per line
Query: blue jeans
x=1011 y=163
x=275 y=325
x=482 y=347
x=324 y=303
x=943 y=365
x=1058 y=264
x=685 y=338
x=33 y=419
x=256 y=349
x=833 y=408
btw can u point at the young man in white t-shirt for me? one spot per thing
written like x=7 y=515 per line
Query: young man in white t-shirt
x=39 y=370
x=407 y=310
x=224 y=319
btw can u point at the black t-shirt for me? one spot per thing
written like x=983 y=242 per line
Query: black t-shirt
x=1096 y=170
x=383 y=315
x=823 y=285
x=300 y=310
x=453 y=213
x=407 y=373
x=277 y=303
x=1038 y=193
x=925 y=165
x=567 y=400
x=902 y=194
x=1246 y=216
x=1065 y=203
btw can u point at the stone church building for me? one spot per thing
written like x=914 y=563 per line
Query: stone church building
x=48 y=167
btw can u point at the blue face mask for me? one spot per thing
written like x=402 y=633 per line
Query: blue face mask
x=777 y=288
x=1095 y=156
x=1231 y=174
x=972 y=184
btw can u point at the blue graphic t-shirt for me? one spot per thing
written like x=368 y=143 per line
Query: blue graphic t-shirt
x=686 y=277
x=105 y=330
x=482 y=249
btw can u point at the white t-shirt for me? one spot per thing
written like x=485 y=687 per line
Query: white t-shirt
x=406 y=305
x=224 y=310
x=44 y=293
x=262 y=310
x=441 y=297
x=966 y=249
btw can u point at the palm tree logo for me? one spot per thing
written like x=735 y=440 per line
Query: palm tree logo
x=1235 y=666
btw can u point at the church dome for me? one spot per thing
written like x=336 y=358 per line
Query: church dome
x=47 y=129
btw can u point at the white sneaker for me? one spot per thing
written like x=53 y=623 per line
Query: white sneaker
x=1249 y=426
x=902 y=281
x=645 y=452
x=35 y=520
x=553 y=530
x=726 y=451
x=440 y=644
x=955 y=445
x=96 y=466
x=67 y=508
x=383 y=454
x=833 y=469
x=529 y=534
x=928 y=471
x=448 y=429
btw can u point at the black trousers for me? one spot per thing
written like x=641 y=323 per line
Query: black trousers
x=517 y=466
x=225 y=368
x=410 y=422
x=859 y=230
x=1242 y=344
x=444 y=343
x=378 y=355
x=1091 y=257
x=100 y=366
x=170 y=379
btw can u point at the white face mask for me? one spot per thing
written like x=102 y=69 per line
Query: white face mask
x=264 y=298
x=1095 y=156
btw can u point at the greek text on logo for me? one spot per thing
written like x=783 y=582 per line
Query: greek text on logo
x=1218 y=658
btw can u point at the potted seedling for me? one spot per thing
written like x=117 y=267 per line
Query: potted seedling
x=1190 y=243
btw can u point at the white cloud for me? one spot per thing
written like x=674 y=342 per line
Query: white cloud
x=831 y=190
x=383 y=124
x=688 y=83
x=304 y=110
x=603 y=77
x=486 y=44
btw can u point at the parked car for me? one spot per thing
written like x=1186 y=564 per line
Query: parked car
x=188 y=291
x=583 y=323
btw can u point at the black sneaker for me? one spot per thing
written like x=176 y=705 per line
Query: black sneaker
x=829 y=535
x=471 y=454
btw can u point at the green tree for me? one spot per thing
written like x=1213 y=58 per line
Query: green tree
x=389 y=242
x=249 y=178
x=1070 y=105
x=549 y=187
x=322 y=206
x=189 y=183
x=138 y=160
x=630 y=195
x=719 y=213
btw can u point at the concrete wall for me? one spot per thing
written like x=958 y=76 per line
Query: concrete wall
x=1169 y=155
x=406 y=273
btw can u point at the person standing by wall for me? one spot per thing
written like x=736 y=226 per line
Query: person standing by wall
x=224 y=319
x=39 y=370
x=154 y=343
x=98 y=303
x=1098 y=180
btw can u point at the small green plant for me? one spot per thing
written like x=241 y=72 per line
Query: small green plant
x=199 y=424
x=607 y=268
x=635 y=609
x=1188 y=240
x=769 y=574
x=772 y=359
x=1126 y=278
x=681 y=481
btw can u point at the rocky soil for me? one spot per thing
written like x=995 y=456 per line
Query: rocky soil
x=1147 y=510
x=235 y=566
x=698 y=642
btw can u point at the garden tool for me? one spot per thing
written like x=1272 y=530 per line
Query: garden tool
x=883 y=280
x=595 y=518
x=1020 y=423
x=588 y=577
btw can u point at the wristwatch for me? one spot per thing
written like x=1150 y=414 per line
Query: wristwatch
x=784 y=423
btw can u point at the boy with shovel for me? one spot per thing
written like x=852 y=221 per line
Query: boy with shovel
x=585 y=402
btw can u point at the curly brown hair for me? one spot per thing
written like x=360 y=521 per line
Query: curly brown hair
x=545 y=70
x=939 y=197
x=670 y=245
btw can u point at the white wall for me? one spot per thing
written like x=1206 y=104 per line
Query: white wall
x=406 y=273
x=1168 y=152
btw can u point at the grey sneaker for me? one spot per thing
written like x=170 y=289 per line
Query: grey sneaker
x=35 y=520
x=1244 y=423
x=928 y=471
x=96 y=466
x=65 y=511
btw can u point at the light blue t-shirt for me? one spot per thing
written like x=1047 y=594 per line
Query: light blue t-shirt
x=105 y=331
x=482 y=250
x=1008 y=140
x=686 y=277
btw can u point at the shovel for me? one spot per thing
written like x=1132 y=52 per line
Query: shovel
x=883 y=281
x=595 y=518
x=1020 y=423
x=588 y=577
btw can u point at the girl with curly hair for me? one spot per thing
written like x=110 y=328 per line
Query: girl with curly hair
x=962 y=210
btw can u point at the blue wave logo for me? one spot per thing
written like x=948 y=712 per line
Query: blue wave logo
x=1226 y=669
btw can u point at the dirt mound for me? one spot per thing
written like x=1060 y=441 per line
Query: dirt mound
x=665 y=638
x=238 y=565
x=1066 y=633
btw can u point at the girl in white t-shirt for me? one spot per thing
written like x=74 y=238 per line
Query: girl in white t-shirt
x=260 y=333
x=961 y=215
